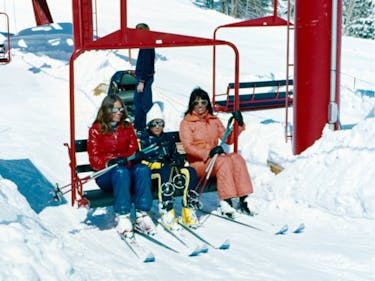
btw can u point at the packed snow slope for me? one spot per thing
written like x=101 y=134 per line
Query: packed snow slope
x=329 y=187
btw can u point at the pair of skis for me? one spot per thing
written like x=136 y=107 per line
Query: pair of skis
x=282 y=231
x=147 y=256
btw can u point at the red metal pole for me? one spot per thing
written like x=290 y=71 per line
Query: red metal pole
x=338 y=57
x=312 y=71
x=123 y=19
x=275 y=8
x=41 y=12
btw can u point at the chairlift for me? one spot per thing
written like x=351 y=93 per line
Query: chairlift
x=5 y=46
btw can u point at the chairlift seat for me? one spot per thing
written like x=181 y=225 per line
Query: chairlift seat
x=270 y=97
x=100 y=198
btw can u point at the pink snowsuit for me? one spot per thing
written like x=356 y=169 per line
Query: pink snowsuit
x=198 y=137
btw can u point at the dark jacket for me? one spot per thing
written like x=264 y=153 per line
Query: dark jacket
x=165 y=154
x=145 y=67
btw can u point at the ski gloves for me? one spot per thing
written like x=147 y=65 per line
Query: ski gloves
x=139 y=156
x=216 y=150
x=121 y=161
x=237 y=115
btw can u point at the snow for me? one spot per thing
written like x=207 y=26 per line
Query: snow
x=329 y=187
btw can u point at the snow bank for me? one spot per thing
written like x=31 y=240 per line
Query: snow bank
x=29 y=251
x=347 y=158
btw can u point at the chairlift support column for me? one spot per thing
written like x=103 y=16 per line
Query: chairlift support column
x=314 y=70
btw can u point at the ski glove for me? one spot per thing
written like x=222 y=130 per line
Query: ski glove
x=121 y=161
x=178 y=160
x=216 y=150
x=237 y=115
x=139 y=156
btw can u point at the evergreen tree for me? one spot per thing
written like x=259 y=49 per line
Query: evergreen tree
x=359 y=18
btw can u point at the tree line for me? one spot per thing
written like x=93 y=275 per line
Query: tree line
x=358 y=16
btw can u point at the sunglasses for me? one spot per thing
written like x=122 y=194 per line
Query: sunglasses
x=118 y=109
x=153 y=124
x=201 y=102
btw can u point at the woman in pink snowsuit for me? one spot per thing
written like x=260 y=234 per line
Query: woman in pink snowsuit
x=200 y=131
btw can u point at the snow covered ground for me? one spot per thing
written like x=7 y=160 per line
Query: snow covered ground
x=329 y=187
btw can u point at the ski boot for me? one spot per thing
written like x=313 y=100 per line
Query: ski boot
x=189 y=218
x=124 y=225
x=144 y=223
x=244 y=205
x=227 y=209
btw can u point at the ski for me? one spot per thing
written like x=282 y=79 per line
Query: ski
x=285 y=228
x=224 y=246
x=282 y=230
x=230 y=219
x=155 y=241
x=192 y=252
x=299 y=229
x=139 y=251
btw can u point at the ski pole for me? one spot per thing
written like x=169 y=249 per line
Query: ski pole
x=105 y=170
x=204 y=179
x=58 y=191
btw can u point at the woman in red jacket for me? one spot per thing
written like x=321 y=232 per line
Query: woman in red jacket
x=111 y=141
x=200 y=131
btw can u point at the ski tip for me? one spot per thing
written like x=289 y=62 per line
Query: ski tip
x=204 y=249
x=195 y=252
x=300 y=228
x=282 y=230
x=225 y=245
x=150 y=258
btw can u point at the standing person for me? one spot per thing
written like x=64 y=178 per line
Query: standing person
x=111 y=141
x=199 y=133
x=144 y=72
x=169 y=164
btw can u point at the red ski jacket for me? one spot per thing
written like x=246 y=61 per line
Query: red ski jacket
x=104 y=147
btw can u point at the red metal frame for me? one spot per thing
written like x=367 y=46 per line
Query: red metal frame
x=124 y=38
x=41 y=12
x=288 y=101
x=288 y=64
x=7 y=57
x=273 y=20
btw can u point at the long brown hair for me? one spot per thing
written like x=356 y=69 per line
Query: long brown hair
x=104 y=116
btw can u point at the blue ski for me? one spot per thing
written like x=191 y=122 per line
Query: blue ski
x=282 y=230
x=193 y=252
x=300 y=228
x=139 y=251
x=223 y=246
x=155 y=241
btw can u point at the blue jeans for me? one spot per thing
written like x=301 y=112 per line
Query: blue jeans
x=142 y=104
x=128 y=184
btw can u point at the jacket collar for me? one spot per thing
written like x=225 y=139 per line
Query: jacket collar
x=193 y=117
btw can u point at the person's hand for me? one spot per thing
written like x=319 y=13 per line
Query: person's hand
x=121 y=161
x=216 y=150
x=140 y=87
x=237 y=115
x=139 y=156
x=178 y=160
